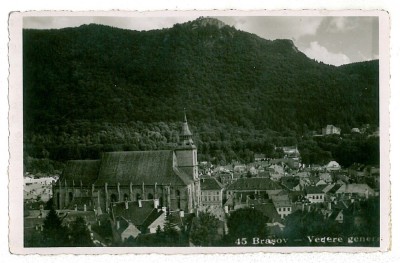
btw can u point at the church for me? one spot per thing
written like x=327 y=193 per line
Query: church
x=169 y=177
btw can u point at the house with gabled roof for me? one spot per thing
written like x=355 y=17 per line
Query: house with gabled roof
x=211 y=191
x=315 y=194
x=336 y=215
x=253 y=187
x=332 y=166
x=359 y=190
x=126 y=229
x=282 y=205
x=291 y=183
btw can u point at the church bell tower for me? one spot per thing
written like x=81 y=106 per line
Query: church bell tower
x=186 y=152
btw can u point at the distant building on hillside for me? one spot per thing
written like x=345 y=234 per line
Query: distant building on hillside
x=259 y=157
x=330 y=129
x=332 y=166
x=291 y=156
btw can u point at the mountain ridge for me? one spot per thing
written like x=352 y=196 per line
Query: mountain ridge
x=223 y=76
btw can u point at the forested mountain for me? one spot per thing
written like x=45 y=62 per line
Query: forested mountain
x=92 y=84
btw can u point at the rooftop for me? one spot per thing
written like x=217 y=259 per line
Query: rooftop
x=141 y=167
x=210 y=183
x=80 y=171
x=314 y=189
x=254 y=184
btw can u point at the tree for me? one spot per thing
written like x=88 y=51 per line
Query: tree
x=80 y=234
x=53 y=230
x=300 y=224
x=246 y=223
x=170 y=234
x=204 y=229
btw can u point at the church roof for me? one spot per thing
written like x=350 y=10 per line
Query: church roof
x=141 y=167
x=80 y=170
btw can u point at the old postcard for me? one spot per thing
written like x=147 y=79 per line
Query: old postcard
x=199 y=132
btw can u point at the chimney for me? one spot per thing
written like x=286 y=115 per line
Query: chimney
x=329 y=206
x=181 y=213
x=126 y=205
x=89 y=226
x=84 y=207
x=118 y=226
x=140 y=203
x=309 y=208
x=156 y=203
x=302 y=207
x=352 y=200
x=76 y=207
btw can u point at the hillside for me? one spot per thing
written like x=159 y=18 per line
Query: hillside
x=85 y=80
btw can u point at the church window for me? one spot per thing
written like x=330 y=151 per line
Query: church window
x=138 y=197
x=70 y=196
x=149 y=196
x=113 y=198
x=126 y=197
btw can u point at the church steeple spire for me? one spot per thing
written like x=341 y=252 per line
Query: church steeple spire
x=184 y=115
x=185 y=137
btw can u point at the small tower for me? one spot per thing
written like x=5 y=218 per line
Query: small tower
x=186 y=152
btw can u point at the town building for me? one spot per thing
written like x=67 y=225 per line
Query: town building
x=282 y=205
x=211 y=192
x=259 y=157
x=245 y=189
x=315 y=194
x=332 y=166
x=355 y=190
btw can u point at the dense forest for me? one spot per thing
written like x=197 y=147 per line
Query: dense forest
x=96 y=88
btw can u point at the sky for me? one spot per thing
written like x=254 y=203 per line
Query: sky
x=334 y=40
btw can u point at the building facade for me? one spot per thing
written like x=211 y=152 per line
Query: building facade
x=211 y=192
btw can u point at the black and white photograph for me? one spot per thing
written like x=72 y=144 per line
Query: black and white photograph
x=199 y=130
